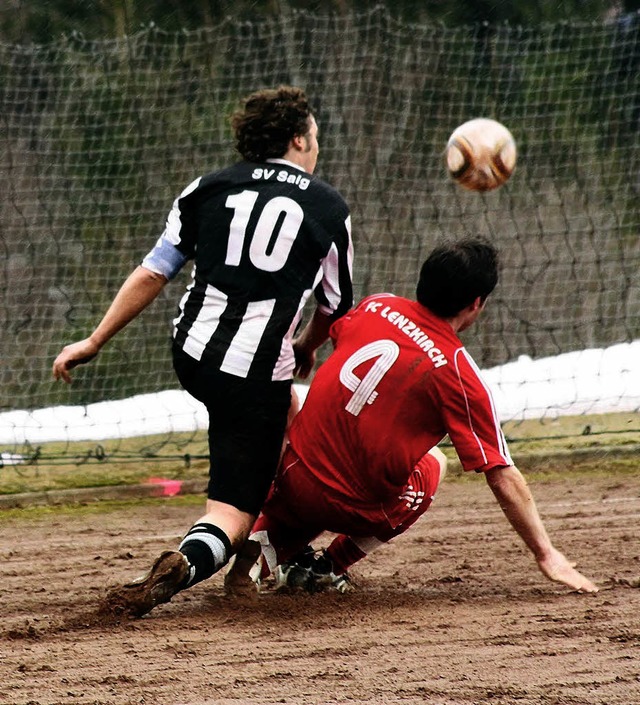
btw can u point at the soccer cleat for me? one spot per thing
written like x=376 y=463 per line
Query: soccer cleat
x=293 y=577
x=295 y=574
x=342 y=583
x=167 y=576
x=310 y=572
x=324 y=577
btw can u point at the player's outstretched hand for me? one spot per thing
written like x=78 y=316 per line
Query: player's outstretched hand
x=305 y=361
x=72 y=356
x=557 y=568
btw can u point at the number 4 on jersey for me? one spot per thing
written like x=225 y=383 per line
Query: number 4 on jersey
x=365 y=389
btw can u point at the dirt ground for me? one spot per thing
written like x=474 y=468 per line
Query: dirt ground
x=452 y=613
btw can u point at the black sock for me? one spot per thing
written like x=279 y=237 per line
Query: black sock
x=207 y=549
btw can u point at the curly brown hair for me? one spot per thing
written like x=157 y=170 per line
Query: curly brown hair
x=268 y=120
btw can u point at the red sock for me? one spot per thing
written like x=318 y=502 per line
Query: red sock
x=344 y=553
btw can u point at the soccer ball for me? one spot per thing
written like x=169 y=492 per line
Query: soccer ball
x=481 y=154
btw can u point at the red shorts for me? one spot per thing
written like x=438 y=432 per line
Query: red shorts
x=300 y=507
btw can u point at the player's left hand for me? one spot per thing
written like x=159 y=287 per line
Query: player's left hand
x=72 y=356
x=557 y=568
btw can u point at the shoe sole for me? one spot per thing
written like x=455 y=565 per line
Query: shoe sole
x=158 y=586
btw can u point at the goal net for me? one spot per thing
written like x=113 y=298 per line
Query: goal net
x=98 y=137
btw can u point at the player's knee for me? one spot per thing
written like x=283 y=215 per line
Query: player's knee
x=442 y=461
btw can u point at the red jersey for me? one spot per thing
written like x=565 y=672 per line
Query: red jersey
x=397 y=382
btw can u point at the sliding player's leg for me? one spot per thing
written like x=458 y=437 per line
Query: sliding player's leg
x=344 y=551
x=290 y=520
x=282 y=530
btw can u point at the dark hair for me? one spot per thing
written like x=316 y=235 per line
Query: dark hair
x=268 y=120
x=455 y=274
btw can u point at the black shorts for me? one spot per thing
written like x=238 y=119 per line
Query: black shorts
x=247 y=423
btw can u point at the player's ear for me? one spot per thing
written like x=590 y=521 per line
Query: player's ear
x=298 y=143
x=477 y=304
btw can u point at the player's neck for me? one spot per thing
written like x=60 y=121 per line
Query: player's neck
x=299 y=158
x=466 y=317
x=456 y=323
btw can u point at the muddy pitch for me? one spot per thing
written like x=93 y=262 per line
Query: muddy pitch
x=454 y=612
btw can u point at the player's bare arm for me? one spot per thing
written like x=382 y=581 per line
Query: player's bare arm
x=314 y=334
x=514 y=496
x=137 y=292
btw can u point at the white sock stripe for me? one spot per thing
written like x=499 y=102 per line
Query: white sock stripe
x=366 y=545
x=215 y=545
x=268 y=551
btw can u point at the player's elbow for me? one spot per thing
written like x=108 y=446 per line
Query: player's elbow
x=151 y=276
x=500 y=476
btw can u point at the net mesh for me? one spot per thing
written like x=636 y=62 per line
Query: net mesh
x=98 y=137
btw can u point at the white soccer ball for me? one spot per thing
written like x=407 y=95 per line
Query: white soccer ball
x=481 y=154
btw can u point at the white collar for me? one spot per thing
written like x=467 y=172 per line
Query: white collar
x=279 y=160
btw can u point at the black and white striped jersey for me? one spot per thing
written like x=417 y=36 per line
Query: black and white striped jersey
x=264 y=237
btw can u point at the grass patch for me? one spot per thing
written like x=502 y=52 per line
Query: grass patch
x=548 y=446
x=131 y=461
x=574 y=432
x=95 y=508
x=547 y=468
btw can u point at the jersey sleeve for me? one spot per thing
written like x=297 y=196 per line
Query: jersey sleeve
x=176 y=244
x=470 y=416
x=334 y=293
